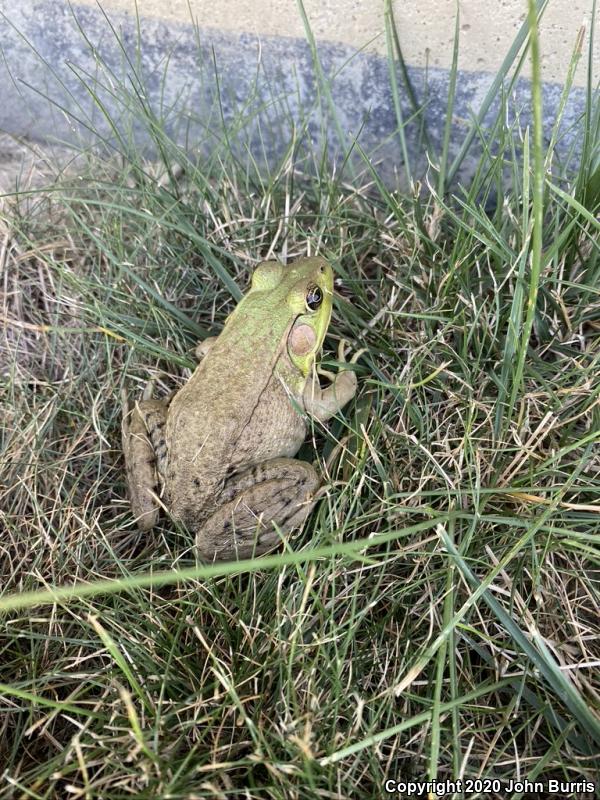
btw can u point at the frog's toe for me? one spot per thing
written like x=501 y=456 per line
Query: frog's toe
x=342 y=346
x=148 y=389
x=147 y=519
x=204 y=346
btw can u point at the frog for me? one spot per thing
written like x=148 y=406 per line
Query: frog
x=218 y=454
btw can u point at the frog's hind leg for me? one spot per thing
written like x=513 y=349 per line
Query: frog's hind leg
x=145 y=452
x=277 y=492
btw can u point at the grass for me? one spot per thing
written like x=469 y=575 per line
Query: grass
x=438 y=616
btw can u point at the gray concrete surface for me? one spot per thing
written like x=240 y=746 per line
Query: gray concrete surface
x=60 y=60
x=425 y=27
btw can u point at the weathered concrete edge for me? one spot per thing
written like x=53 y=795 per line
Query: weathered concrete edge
x=196 y=79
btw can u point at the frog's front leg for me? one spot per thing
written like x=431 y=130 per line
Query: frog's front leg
x=279 y=491
x=324 y=403
x=145 y=452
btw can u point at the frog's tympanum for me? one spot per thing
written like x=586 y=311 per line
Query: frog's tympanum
x=218 y=454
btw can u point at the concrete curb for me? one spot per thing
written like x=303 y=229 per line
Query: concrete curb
x=194 y=80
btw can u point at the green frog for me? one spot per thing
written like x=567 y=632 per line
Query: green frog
x=218 y=454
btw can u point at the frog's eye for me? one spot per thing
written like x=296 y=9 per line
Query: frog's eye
x=314 y=298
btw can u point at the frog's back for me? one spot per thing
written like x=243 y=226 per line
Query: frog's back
x=232 y=413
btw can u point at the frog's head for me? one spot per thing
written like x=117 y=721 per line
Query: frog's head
x=305 y=290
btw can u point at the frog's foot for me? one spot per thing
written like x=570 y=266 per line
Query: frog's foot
x=278 y=492
x=324 y=403
x=143 y=447
x=204 y=346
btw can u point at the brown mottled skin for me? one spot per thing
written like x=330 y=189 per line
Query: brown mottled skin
x=222 y=447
